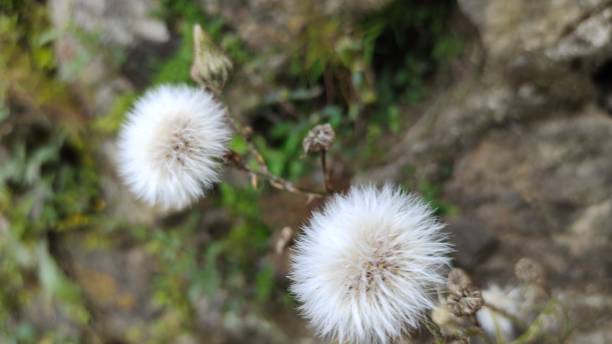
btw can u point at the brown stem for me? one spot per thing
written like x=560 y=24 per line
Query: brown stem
x=263 y=171
x=326 y=172
x=235 y=160
x=245 y=133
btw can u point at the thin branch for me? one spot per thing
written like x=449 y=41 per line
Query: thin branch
x=326 y=172
x=235 y=160
x=246 y=134
x=263 y=171
x=203 y=72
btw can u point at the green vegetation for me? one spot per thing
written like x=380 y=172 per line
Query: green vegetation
x=50 y=184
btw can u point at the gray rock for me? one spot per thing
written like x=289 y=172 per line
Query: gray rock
x=531 y=153
x=472 y=243
x=264 y=24
x=544 y=191
x=511 y=28
x=115 y=21
x=121 y=203
x=91 y=33
x=116 y=279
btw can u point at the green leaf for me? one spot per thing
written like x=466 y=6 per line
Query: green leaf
x=57 y=286
x=264 y=283
x=210 y=277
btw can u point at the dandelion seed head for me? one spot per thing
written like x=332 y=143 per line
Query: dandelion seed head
x=366 y=265
x=170 y=147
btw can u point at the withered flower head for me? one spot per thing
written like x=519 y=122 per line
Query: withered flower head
x=529 y=271
x=319 y=138
x=463 y=298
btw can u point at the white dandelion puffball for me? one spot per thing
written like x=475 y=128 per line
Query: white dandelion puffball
x=170 y=147
x=366 y=266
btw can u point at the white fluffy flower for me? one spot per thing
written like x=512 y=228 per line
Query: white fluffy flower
x=365 y=266
x=171 y=145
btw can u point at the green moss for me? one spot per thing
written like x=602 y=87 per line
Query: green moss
x=50 y=183
x=176 y=68
x=60 y=195
x=110 y=123
x=182 y=15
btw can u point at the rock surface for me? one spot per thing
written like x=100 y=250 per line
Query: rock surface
x=90 y=29
x=530 y=148
x=267 y=24
x=560 y=30
x=544 y=186
x=115 y=21
x=116 y=281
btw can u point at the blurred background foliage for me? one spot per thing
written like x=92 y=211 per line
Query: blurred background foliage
x=358 y=73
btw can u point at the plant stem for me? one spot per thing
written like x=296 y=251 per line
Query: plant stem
x=263 y=171
x=326 y=172
x=235 y=160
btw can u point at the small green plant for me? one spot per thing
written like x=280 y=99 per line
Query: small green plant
x=50 y=185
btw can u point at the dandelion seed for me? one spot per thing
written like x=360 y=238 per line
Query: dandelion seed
x=171 y=146
x=365 y=266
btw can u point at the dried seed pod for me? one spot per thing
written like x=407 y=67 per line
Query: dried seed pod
x=319 y=138
x=529 y=271
x=210 y=66
x=467 y=302
x=458 y=280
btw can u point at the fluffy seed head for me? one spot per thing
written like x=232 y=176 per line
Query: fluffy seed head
x=365 y=266
x=171 y=145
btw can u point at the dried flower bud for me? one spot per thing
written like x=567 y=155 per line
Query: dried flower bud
x=529 y=271
x=247 y=132
x=448 y=324
x=466 y=302
x=210 y=65
x=458 y=280
x=464 y=298
x=319 y=138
